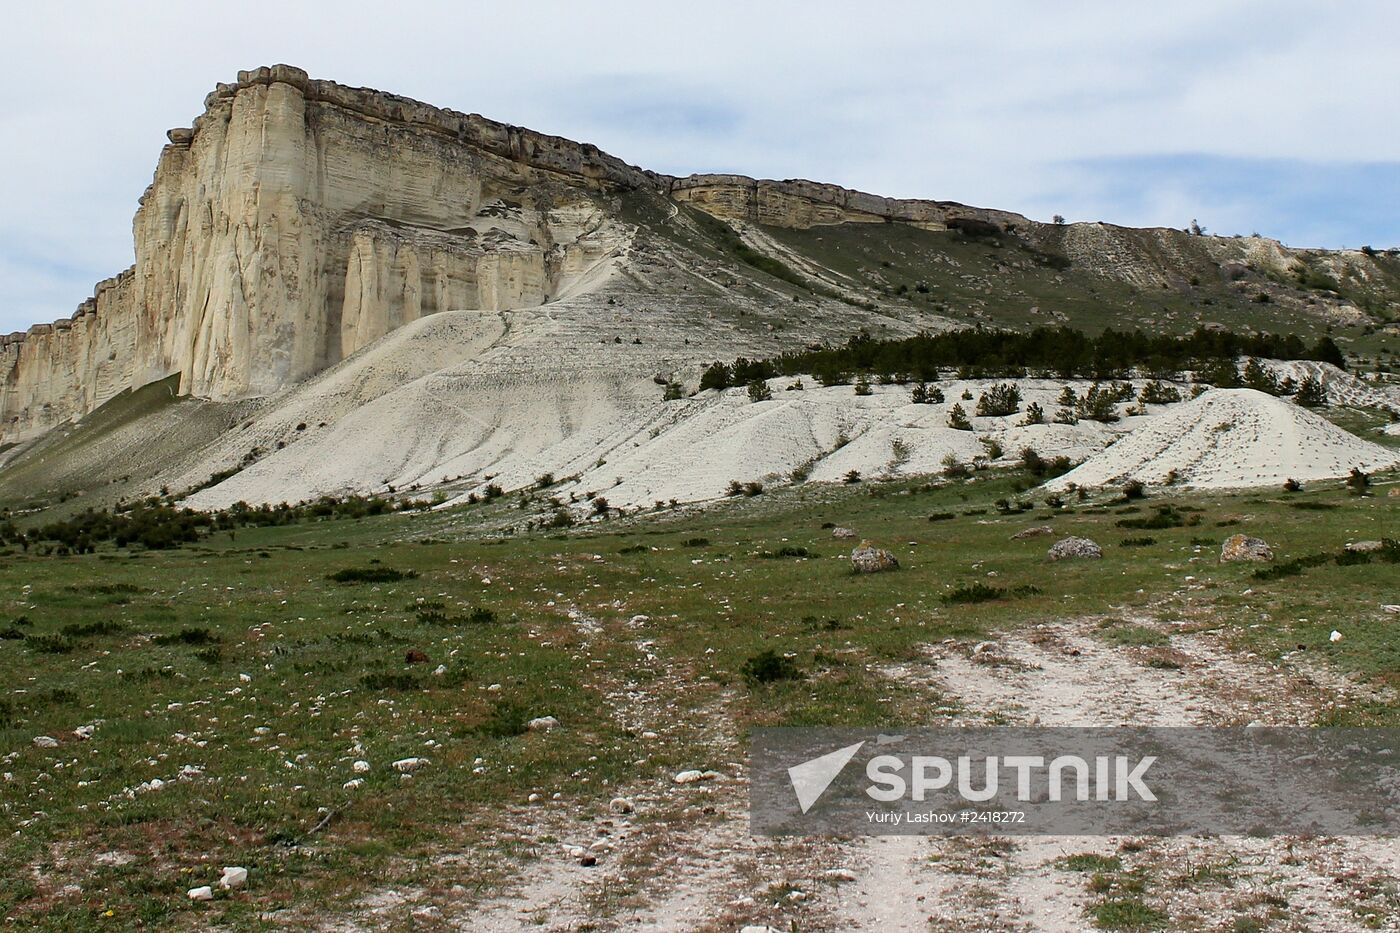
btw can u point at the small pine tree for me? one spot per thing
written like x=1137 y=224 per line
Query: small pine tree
x=1327 y=351
x=1311 y=393
x=862 y=385
x=1358 y=482
x=674 y=392
x=718 y=376
x=957 y=419
x=1259 y=377
x=1156 y=393
x=1223 y=374
x=919 y=394
x=1034 y=414
x=1099 y=404
x=1068 y=397
x=1001 y=399
x=759 y=391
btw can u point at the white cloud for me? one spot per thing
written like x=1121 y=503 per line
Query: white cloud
x=985 y=105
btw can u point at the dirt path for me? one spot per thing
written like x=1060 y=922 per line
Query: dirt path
x=1064 y=675
x=685 y=860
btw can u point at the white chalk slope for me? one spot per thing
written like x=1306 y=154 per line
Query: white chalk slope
x=1231 y=438
x=458 y=400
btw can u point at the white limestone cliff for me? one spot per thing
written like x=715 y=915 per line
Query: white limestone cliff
x=298 y=221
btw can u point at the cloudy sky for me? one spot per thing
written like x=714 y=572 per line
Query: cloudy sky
x=1278 y=117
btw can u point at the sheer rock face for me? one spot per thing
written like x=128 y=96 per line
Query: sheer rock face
x=55 y=371
x=298 y=221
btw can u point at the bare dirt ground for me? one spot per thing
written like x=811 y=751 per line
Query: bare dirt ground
x=684 y=860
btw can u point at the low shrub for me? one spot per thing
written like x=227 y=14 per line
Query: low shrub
x=788 y=550
x=973 y=593
x=86 y=629
x=371 y=575
x=506 y=720
x=380 y=680
x=1163 y=516
x=50 y=644
x=769 y=667
x=1291 y=568
x=188 y=636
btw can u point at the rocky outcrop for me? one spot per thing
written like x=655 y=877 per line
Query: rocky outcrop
x=54 y=372
x=296 y=222
x=870 y=559
x=1074 y=549
x=1244 y=547
x=801 y=204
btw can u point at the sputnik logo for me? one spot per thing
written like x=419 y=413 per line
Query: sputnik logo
x=811 y=778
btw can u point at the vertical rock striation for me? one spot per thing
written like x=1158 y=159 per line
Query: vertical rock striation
x=297 y=221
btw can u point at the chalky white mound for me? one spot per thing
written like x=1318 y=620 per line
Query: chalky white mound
x=1231 y=438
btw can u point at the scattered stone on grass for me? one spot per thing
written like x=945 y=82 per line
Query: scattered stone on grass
x=1244 y=547
x=1072 y=548
x=870 y=559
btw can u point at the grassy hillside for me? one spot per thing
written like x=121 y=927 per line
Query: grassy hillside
x=111 y=452
x=1010 y=281
x=248 y=678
